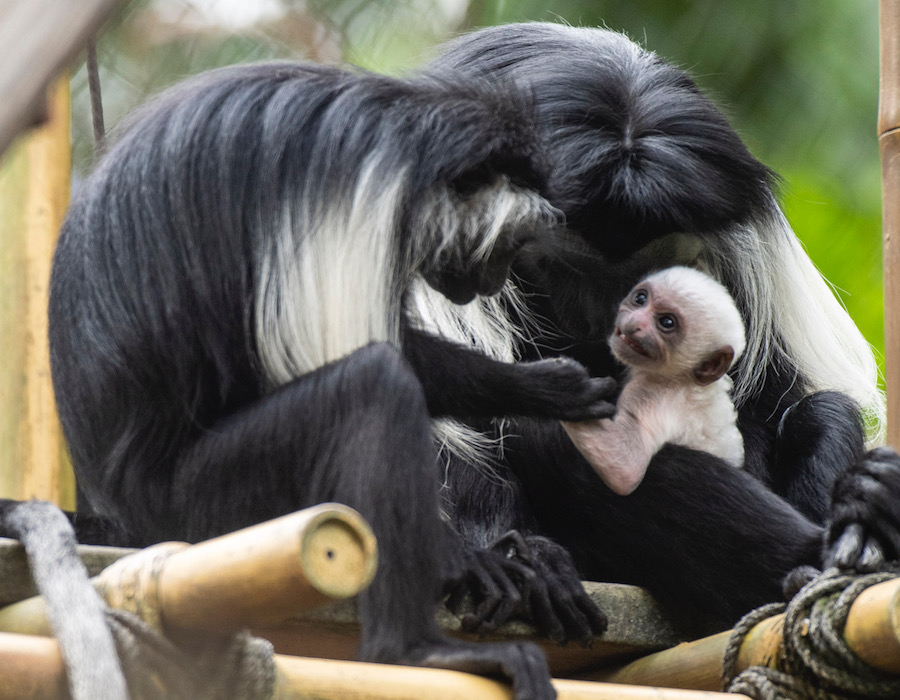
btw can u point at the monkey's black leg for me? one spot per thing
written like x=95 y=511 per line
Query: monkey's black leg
x=698 y=533
x=819 y=438
x=358 y=432
x=464 y=383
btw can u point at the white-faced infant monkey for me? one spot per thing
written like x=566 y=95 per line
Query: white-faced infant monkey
x=678 y=331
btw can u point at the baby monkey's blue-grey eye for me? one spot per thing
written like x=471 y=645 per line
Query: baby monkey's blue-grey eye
x=640 y=297
x=667 y=322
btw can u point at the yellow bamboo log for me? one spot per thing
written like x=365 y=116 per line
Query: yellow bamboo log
x=889 y=142
x=872 y=632
x=32 y=668
x=301 y=678
x=254 y=577
x=34 y=193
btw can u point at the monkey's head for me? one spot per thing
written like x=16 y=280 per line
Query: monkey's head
x=679 y=324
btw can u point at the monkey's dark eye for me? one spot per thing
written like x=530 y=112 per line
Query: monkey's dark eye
x=640 y=297
x=667 y=322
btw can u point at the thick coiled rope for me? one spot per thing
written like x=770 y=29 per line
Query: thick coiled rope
x=815 y=663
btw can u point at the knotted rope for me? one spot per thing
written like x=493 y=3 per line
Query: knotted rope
x=815 y=663
x=113 y=654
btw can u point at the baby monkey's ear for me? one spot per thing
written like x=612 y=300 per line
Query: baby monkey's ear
x=714 y=366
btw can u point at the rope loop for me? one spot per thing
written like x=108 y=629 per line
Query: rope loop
x=815 y=662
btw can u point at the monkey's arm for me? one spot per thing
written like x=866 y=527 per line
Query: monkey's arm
x=464 y=383
x=619 y=450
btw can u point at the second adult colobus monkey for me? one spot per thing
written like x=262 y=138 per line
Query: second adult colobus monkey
x=678 y=332
x=649 y=174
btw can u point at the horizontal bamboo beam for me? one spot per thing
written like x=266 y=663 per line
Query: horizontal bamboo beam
x=638 y=625
x=33 y=669
x=256 y=576
x=872 y=632
x=15 y=576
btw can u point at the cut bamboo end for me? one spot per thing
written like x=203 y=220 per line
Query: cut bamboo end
x=258 y=576
x=267 y=573
x=339 y=554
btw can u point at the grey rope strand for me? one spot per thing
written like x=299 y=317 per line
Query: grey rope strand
x=816 y=662
x=93 y=72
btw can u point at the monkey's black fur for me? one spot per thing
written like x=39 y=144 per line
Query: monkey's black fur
x=212 y=361
x=640 y=157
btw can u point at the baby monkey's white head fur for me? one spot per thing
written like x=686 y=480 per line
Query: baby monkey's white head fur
x=678 y=324
x=678 y=332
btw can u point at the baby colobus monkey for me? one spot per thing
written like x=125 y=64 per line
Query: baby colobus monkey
x=678 y=331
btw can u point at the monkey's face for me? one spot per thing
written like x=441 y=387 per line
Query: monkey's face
x=460 y=278
x=678 y=325
x=478 y=233
x=648 y=330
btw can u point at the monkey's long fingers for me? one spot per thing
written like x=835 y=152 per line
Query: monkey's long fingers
x=601 y=409
x=509 y=584
x=544 y=615
x=864 y=530
x=570 y=606
x=846 y=550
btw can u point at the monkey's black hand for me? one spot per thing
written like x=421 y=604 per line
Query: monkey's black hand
x=559 y=606
x=564 y=390
x=549 y=594
x=497 y=580
x=864 y=528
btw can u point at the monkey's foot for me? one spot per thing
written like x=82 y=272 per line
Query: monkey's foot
x=497 y=582
x=531 y=578
x=558 y=604
x=864 y=527
x=523 y=663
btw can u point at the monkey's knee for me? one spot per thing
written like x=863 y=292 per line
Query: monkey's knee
x=381 y=374
x=822 y=415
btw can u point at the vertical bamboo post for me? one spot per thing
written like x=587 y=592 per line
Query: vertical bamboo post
x=34 y=192
x=889 y=142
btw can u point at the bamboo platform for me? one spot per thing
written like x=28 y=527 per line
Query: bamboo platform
x=638 y=624
x=278 y=578
x=292 y=581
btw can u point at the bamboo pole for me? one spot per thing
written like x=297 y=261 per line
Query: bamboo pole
x=872 y=632
x=889 y=142
x=34 y=193
x=302 y=678
x=257 y=576
x=33 y=669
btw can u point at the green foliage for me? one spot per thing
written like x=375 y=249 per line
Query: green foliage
x=799 y=80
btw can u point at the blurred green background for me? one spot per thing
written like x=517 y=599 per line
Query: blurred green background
x=798 y=79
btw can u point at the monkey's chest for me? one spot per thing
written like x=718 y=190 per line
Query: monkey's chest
x=705 y=421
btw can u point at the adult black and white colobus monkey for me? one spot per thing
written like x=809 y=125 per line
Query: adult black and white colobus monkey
x=230 y=295
x=648 y=173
